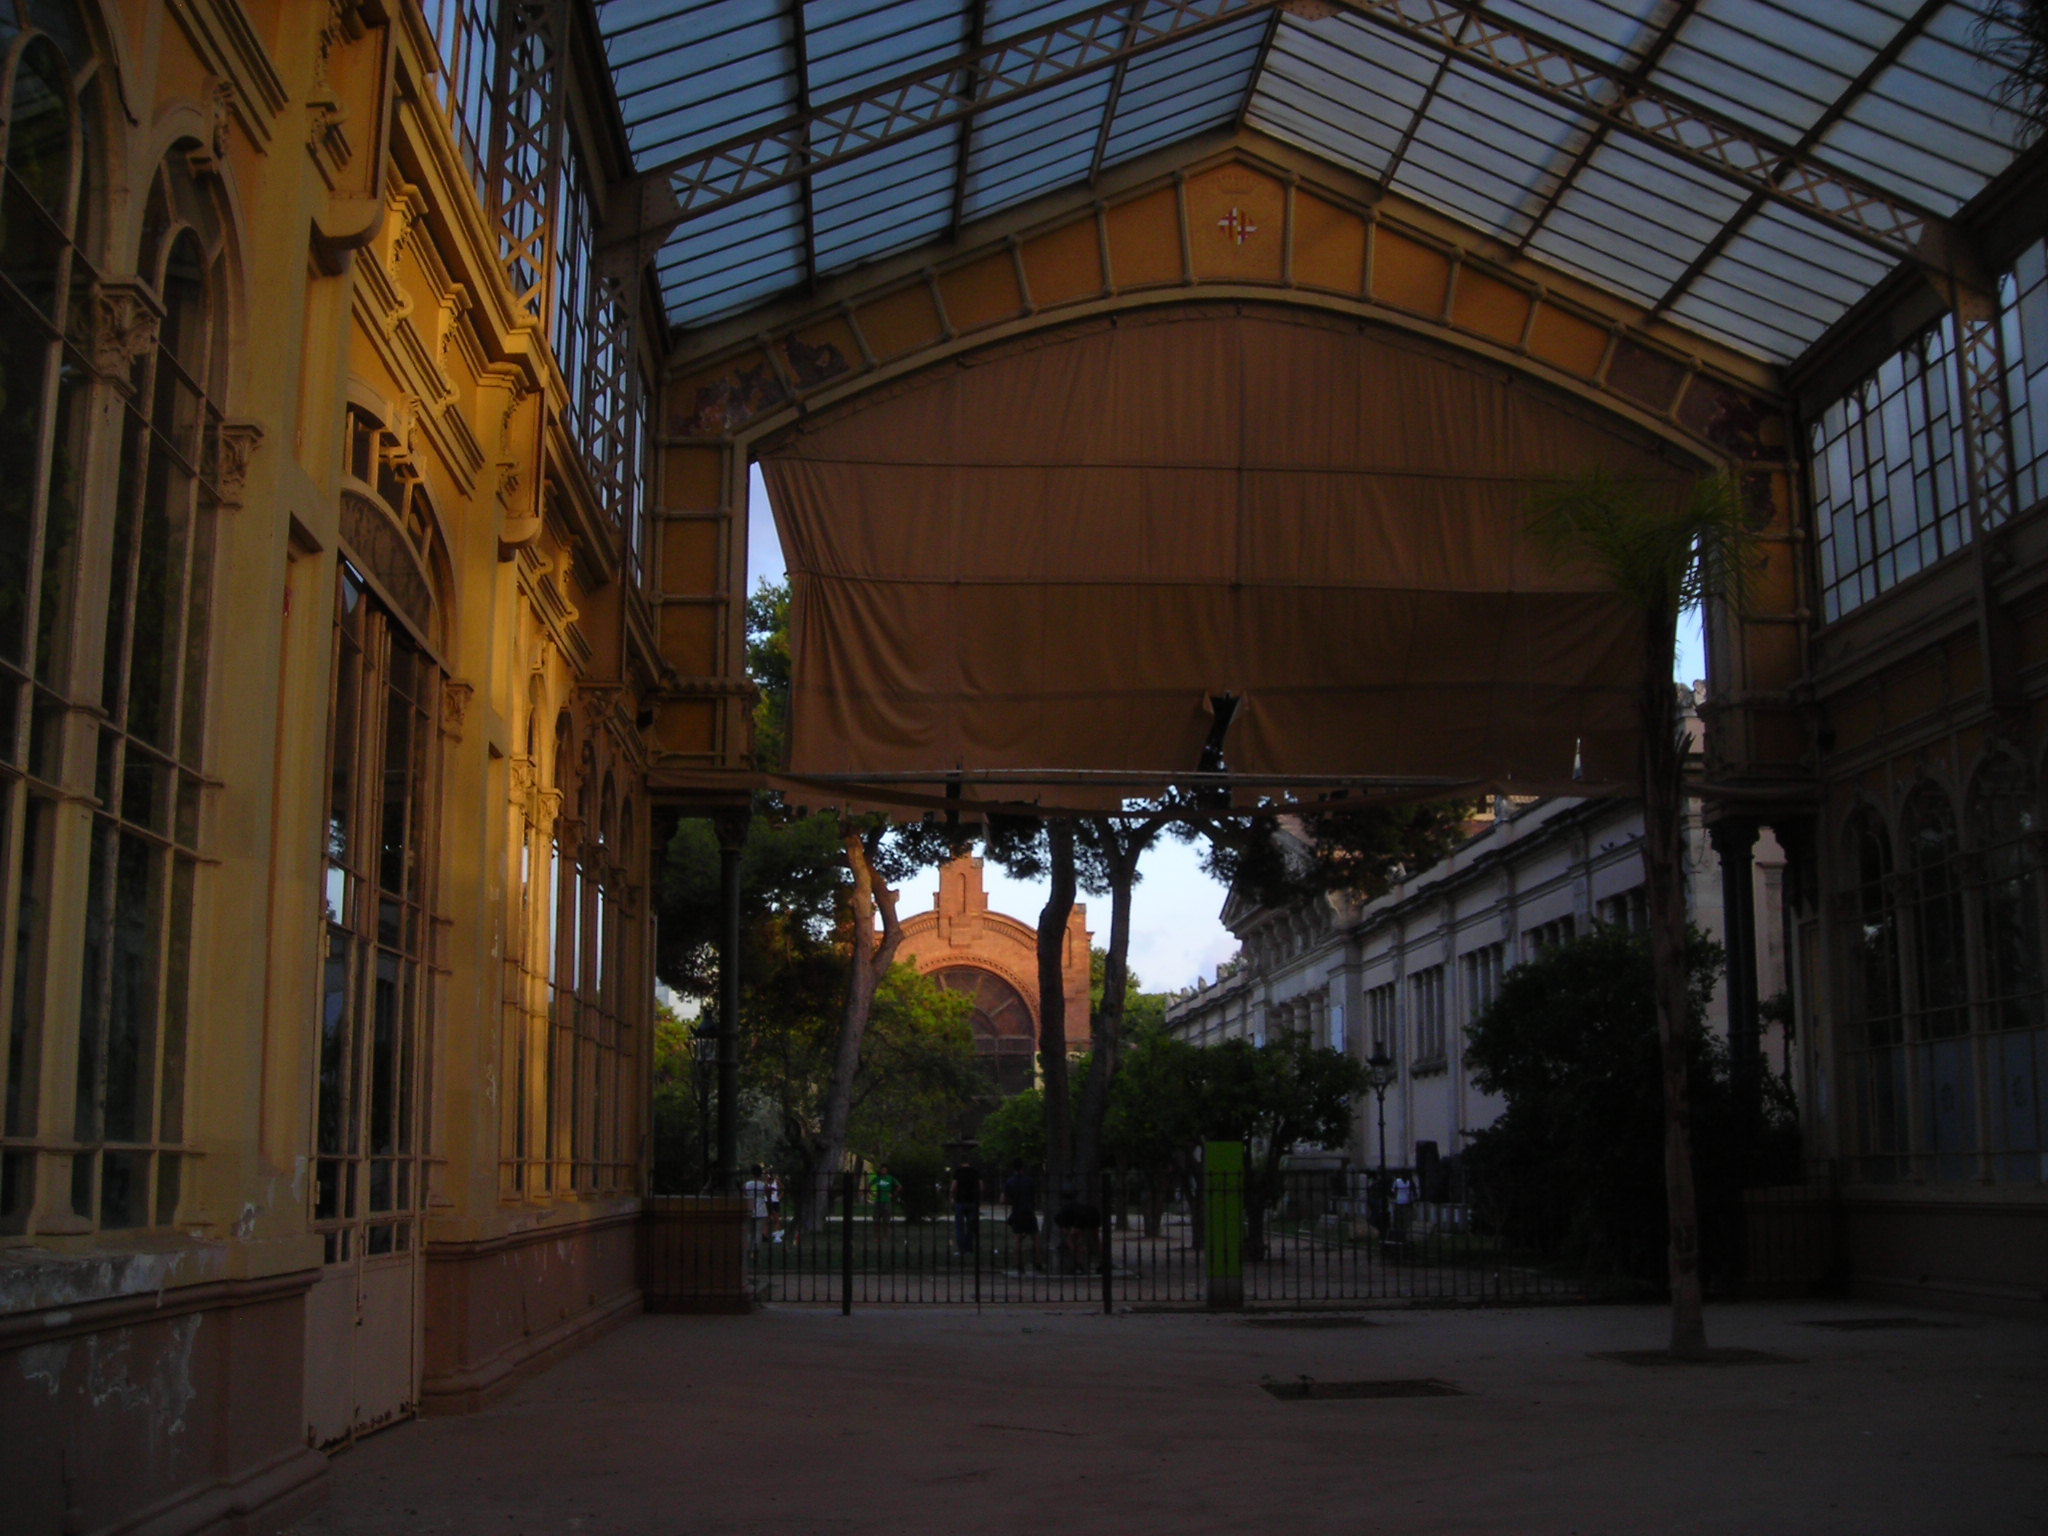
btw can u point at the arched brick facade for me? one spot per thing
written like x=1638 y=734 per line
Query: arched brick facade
x=960 y=934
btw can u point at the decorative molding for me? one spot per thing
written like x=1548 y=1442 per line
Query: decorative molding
x=596 y=703
x=455 y=697
x=122 y=320
x=405 y=206
x=254 y=91
x=210 y=158
x=232 y=445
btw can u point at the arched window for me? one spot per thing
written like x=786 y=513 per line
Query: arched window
x=1946 y=1085
x=46 y=282
x=102 y=682
x=2004 y=826
x=1874 y=1033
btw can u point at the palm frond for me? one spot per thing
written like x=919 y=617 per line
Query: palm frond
x=1665 y=554
x=2012 y=37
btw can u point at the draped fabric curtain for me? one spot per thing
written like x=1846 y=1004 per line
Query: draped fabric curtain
x=1054 y=556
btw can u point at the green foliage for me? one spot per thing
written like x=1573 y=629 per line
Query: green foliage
x=678 y=1130
x=1170 y=1097
x=2012 y=37
x=1357 y=848
x=1155 y=1107
x=1664 y=553
x=1015 y=1129
x=768 y=666
x=1575 y=1163
x=1140 y=1008
x=918 y=1070
x=1278 y=1094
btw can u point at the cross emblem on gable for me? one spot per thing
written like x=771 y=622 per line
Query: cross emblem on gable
x=1237 y=226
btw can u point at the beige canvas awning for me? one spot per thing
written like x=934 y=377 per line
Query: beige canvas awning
x=1051 y=559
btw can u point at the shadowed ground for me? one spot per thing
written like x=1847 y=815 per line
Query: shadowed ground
x=1032 y=1420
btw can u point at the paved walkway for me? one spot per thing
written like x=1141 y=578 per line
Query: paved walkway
x=798 y=1421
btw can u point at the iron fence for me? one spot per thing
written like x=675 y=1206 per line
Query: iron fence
x=1305 y=1237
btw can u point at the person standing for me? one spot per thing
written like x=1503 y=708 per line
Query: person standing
x=882 y=1191
x=1404 y=1207
x=1022 y=1196
x=755 y=1191
x=966 y=1207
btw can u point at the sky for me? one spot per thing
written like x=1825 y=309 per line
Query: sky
x=1177 y=935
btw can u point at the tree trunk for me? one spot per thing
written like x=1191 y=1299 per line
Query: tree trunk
x=1121 y=853
x=870 y=960
x=1663 y=763
x=1052 y=1016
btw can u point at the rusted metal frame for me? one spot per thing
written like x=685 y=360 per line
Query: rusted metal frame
x=1703 y=138
x=1882 y=60
x=975 y=42
x=1652 y=57
x=1116 y=97
x=801 y=43
x=885 y=114
x=529 y=122
x=1386 y=181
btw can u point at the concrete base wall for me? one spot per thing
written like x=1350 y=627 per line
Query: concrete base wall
x=1972 y=1251
x=499 y=1309
x=164 y=1413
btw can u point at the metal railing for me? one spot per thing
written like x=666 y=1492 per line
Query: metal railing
x=1305 y=1237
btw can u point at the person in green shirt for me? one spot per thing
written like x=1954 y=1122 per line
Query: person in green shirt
x=882 y=1191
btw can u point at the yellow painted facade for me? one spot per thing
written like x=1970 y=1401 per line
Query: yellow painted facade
x=329 y=980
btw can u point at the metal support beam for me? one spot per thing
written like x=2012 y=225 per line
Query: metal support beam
x=977 y=38
x=1407 y=141
x=1638 y=74
x=1116 y=97
x=1837 y=109
x=801 y=42
x=527 y=133
x=1988 y=466
x=980 y=78
x=1611 y=99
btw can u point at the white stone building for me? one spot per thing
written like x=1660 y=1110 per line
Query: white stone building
x=1409 y=970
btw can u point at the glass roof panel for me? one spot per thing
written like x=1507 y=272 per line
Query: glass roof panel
x=1184 y=89
x=1795 y=276
x=1588 y=250
x=853 y=44
x=1003 y=19
x=1493 y=148
x=1649 y=210
x=1633 y=218
x=733 y=257
x=1742 y=76
x=1613 y=31
x=1028 y=147
x=1342 y=91
x=691 y=76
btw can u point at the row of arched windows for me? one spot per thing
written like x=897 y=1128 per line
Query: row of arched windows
x=113 y=374
x=571 y=1041
x=1945 y=1035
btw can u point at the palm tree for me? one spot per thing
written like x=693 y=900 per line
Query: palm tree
x=1664 y=556
x=2012 y=37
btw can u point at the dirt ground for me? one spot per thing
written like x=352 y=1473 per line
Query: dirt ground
x=1032 y=1420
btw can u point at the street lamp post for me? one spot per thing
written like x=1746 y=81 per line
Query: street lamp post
x=1381 y=1066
